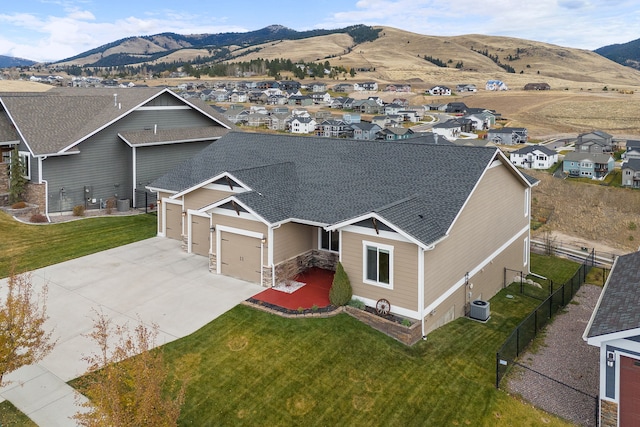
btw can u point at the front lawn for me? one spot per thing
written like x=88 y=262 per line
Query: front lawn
x=11 y=417
x=32 y=246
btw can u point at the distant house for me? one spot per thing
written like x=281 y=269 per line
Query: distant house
x=302 y=125
x=333 y=129
x=450 y=129
x=343 y=87
x=321 y=97
x=496 y=85
x=439 y=91
x=365 y=130
x=534 y=157
x=366 y=106
x=466 y=88
x=456 y=107
x=395 y=133
x=319 y=87
x=614 y=327
x=596 y=141
x=400 y=87
x=301 y=100
x=392 y=108
x=369 y=86
x=631 y=173
x=632 y=149
x=537 y=86
x=507 y=136
x=482 y=121
x=587 y=165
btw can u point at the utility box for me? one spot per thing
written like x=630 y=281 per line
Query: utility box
x=480 y=310
x=122 y=205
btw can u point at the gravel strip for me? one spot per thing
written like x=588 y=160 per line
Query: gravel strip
x=563 y=356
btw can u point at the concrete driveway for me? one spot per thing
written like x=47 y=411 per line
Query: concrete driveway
x=152 y=281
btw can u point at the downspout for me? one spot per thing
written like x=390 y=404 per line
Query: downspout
x=133 y=173
x=46 y=188
x=421 y=288
x=270 y=253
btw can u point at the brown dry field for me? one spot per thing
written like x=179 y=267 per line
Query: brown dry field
x=596 y=213
x=22 y=86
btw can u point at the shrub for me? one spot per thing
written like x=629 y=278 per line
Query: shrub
x=406 y=322
x=19 y=205
x=355 y=302
x=340 y=292
x=110 y=204
x=78 y=210
x=38 y=218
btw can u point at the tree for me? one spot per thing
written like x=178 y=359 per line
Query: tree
x=17 y=181
x=340 y=292
x=23 y=339
x=127 y=382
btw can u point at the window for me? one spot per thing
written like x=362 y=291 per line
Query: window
x=525 y=254
x=378 y=264
x=330 y=240
x=526 y=202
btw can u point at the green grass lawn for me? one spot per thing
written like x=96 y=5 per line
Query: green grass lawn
x=32 y=246
x=252 y=368
x=11 y=417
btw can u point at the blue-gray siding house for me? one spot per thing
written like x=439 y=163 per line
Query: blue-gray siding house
x=614 y=327
x=587 y=165
x=85 y=146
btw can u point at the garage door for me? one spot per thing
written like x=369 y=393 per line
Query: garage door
x=174 y=221
x=200 y=235
x=629 y=391
x=240 y=257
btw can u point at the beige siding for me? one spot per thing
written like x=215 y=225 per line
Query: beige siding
x=203 y=197
x=241 y=223
x=292 y=239
x=405 y=270
x=493 y=215
x=160 y=196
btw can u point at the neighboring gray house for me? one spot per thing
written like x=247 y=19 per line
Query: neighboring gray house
x=507 y=136
x=614 y=327
x=83 y=146
x=631 y=173
x=587 y=165
x=595 y=142
x=534 y=157
x=396 y=134
x=333 y=128
x=365 y=130
x=632 y=149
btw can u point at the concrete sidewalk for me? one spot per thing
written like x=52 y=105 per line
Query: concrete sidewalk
x=152 y=281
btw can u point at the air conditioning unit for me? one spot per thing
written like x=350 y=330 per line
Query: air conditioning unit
x=479 y=310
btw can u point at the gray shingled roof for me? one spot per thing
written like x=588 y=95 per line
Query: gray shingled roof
x=7 y=132
x=618 y=307
x=633 y=164
x=531 y=148
x=419 y=187
x=577 y=156
x=168 y=136
x=53 y=120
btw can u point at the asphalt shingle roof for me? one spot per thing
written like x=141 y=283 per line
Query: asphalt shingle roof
x=531 y=148
x=52 y=121
x=617 y=310
x=419 y=187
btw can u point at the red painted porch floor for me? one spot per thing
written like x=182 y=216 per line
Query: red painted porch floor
x=315 y=292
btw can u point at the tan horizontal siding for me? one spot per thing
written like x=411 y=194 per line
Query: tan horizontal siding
x=493 y=215
x=202 y=197
x=292 y=239
x=405 y=270
x=243 y=224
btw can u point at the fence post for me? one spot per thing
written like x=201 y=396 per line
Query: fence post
x=517 y=342
x=146 y=202
x=497 y=370
x=504 y=278
x=521 y=284
x=535 y=319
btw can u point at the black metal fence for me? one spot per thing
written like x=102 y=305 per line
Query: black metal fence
x=527 y=330
x=532 y=286
x=146 y=201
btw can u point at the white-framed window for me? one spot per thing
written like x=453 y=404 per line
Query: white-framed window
x=377 y=264
x=329 y=240
x=525 y=252
x=25 y=159
x=526 y=202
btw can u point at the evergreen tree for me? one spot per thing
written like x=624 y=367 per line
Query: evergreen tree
x=17 y=181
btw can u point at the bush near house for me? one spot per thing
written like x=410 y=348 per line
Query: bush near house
x=340 y=292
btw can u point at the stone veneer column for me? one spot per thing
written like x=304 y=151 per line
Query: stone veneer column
x=608 y=414
x=213 y=263
x=36 y=194
x=4 y=178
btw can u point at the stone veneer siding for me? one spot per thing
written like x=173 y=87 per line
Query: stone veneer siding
x=4 y=178
x=35 y=194
x=608 y=414
x=406 y=335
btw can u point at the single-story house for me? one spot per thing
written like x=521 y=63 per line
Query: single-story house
x=439 y=91
x=614 y=327
x=466 y=87
x=534 y=157
x=83 y=146
x=537 y=86
x=412 y=222
x=587 y=165
x=495 y=85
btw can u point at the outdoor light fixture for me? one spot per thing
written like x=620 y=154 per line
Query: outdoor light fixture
x=611 y=358
x=212 y=229
x=184 y=213
x=264 y=240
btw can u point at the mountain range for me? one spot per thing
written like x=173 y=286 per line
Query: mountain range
x=12 y=61
x=387 y=53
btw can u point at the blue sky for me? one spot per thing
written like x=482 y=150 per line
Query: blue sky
x=46 y=30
